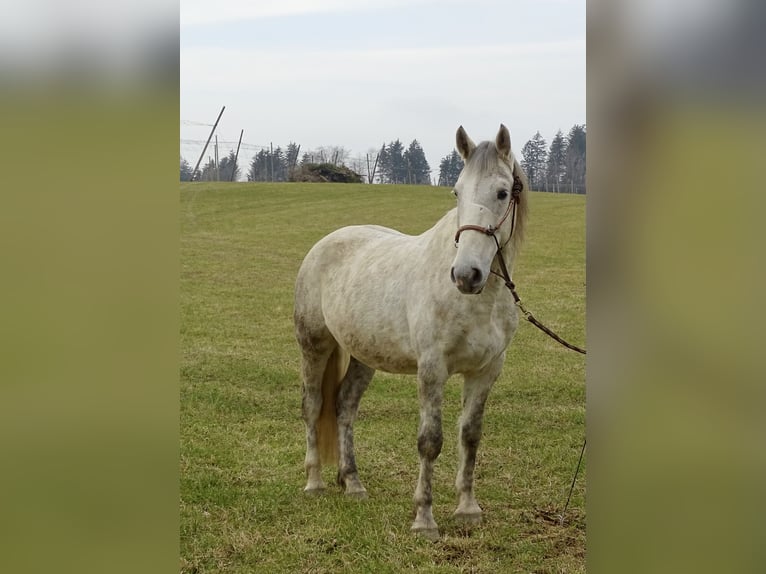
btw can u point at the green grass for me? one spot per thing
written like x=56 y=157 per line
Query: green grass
x=242 y=437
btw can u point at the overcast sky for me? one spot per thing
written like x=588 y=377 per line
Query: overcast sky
x=357 y=73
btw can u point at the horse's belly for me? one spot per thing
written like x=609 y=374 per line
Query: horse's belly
x=378 y=358
x=378 y=350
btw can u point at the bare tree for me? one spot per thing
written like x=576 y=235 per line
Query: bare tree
x=357 y=164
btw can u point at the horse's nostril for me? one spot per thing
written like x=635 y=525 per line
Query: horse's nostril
x=476 y=276
x=452 y=274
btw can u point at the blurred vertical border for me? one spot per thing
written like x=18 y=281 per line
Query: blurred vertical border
x=89 y=290
x=676 y=282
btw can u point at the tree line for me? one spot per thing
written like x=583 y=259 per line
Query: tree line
x=212 y=172
x=559 y=167
x=393 y=163
x=400 y=165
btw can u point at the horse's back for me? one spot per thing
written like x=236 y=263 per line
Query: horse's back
x=359 y=236
x=351 y=242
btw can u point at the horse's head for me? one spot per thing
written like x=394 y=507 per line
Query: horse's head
x=485 y=216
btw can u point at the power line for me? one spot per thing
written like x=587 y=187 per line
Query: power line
x=244 y=145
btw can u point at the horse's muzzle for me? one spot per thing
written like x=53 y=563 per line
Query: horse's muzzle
x=468 y=280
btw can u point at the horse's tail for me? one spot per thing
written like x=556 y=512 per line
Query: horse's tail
x=327 y=424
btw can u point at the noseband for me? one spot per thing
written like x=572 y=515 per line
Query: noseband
x=491 y=230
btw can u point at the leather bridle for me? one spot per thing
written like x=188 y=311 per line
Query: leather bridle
x=491 y=230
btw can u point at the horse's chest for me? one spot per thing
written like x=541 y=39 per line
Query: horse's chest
x=476 y=349
x=476 y=344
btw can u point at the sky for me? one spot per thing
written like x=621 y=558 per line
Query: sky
x=358 y=73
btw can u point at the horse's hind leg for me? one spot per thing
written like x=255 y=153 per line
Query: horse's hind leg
x=317 y=346
x=313 y=366
x=475 y=391
x=358 y=377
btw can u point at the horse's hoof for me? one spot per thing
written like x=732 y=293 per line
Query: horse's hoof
x=318 y=491
x=468 y=517
x=429 y=533
x=357 y=494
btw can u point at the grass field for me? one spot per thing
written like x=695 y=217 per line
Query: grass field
x=242 y=437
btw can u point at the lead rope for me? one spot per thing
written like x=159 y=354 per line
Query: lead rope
x=512 y=288
x=531 y=318
x=571 y=488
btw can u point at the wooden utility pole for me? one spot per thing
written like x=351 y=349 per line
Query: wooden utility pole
x=215 y=155
x=271 y=160
x=194 y=172
x=236 y=155
x=371 y=174
x=294 y=163
x=369 y=177
x=297 y=155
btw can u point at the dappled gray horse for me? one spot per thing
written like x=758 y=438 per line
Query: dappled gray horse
x=369 y=298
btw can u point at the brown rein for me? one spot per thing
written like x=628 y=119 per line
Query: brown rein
x=506 y=277
x=531 y=318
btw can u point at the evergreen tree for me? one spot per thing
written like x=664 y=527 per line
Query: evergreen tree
x=225 y=168
x=575 y=158
x=271 y=165
x=557 y=155
x=418 y=170
x=397 y=168
x=384 y=165
x=209 y=171
x=291 y=156
x=534 y=162
x=186 y=170
x=444 y=166
x=259 y=167
x=449 y=169
x=277 y=165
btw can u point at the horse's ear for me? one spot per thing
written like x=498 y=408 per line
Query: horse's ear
x=503 y=141
x=464 y=144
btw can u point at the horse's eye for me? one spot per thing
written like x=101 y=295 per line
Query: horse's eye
x=502 y=194
x=454 y=192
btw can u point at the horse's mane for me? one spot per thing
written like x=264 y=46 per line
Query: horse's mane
x=485 y=159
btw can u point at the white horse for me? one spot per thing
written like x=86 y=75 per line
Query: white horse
x=369 y=298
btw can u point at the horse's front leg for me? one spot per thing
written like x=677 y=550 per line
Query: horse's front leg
x=475 y=391
x=430 y=392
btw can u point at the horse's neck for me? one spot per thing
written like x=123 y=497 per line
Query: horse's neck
x=441 y=238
